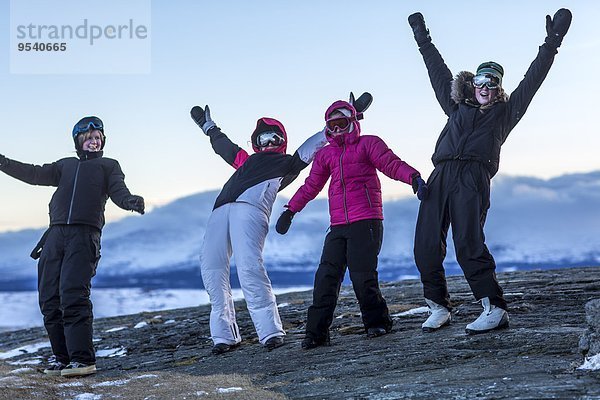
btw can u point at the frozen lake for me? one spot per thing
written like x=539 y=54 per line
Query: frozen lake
x=20 y=309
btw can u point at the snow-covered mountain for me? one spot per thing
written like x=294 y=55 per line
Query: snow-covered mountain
x=533 y=223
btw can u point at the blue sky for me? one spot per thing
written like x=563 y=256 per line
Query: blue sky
x=290 y=60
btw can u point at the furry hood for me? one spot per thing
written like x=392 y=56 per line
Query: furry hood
x=463 y=91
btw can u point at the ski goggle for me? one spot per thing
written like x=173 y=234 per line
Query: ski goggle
x=86 y=124
x=265 y=139
x=488 y=80
x=338 y=124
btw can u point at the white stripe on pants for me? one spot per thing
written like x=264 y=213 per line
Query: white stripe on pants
x=241 y=229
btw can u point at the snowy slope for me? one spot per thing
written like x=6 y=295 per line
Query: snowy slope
x=533 y=223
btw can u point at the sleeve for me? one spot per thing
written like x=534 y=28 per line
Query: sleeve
x=439 y=76
x=233 y=154
x=384 y=159
x=521 y=97
x=41 y=175
x=117 y=190
x=304 y=156
x=314 y=183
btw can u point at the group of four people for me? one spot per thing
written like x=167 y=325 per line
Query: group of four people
x=457 y=193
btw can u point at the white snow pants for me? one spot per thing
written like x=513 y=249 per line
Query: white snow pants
x=241 y=229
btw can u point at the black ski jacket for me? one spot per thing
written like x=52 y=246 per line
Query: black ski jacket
x=473 y=132
x=84 y=186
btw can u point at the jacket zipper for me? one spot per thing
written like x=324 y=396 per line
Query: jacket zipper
x=368 y=197
x=73 y=195
x=343 y=183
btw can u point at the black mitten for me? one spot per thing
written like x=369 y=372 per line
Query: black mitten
x=417 y=23
x=284 y=222
x=557 y=27
x=2 y=160
x=135 y=203
x=202 y=118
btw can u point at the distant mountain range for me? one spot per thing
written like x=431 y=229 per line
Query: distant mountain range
x=533 y=223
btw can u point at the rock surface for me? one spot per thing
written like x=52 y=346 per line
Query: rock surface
x=537 y=357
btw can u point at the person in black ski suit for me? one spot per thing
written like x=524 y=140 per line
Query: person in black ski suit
x=69 y=251
x=466 y=157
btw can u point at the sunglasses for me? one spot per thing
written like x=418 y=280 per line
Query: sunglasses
x=87 y=124
x=337 y=124
x=488 y=80
x=265 y=139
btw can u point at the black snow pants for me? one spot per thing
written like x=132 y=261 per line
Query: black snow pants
x=355 y=246
x=67 y=264
x=459 y=195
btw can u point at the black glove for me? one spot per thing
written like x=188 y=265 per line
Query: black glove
x=284 y=221
x=135 y=203
x=2 y=160
x=557 y=27
x=361 y=104
x=417 y=23
x=202 y=118
x=420 y=188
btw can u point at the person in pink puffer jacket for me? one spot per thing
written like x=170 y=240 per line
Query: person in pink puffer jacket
x=355 y=209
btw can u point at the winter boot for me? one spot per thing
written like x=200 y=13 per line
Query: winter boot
x=221 y=348
x=439 y=316
x=78 y=369
x=310 y=343
x=491 y=318
x=274 y=342
x=54 y=366
x=376 y=332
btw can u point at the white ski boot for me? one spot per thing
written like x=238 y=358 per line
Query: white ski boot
x=491 y=318
x=439 y=316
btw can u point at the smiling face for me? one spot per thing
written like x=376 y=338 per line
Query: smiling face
x=92 y=141
x=484 y=95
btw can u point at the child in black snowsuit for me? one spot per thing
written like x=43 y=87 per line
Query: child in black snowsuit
x=69 y=251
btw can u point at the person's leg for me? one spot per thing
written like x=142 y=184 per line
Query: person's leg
x=82 y=253
x=328 y=280
x=216 y=252
x=49 y=268
x=468 y=209
x=430 y=238
x=364 y=243
x=249 y=228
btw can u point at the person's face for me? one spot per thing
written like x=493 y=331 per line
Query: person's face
x=484 y=95
x=337 y=114
x=94 y=141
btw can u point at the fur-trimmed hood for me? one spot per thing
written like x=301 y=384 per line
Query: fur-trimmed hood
x=463 y=91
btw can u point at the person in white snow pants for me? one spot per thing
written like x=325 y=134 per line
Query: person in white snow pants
x=239 y=225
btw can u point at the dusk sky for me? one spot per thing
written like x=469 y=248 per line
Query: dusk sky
x=290 y=60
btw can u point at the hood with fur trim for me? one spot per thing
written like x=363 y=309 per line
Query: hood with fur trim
x=269 y=124
x=464 y=92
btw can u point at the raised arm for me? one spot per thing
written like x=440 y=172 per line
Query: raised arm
x=233 y=154
x=439 y=74
x=42 y=175
x=520 y=98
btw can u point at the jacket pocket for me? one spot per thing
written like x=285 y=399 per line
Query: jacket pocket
x=368 y=196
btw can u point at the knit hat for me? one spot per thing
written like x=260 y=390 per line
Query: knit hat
x=493 y=68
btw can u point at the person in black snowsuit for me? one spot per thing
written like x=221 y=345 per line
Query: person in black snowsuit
x=466 y=157
x=69 y=250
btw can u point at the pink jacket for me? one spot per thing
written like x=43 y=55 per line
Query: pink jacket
x=352 y=162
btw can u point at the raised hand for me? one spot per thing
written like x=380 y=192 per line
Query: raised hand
x=202 y=118
x=417 y=23
x=557 y=27
x=361 y=104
